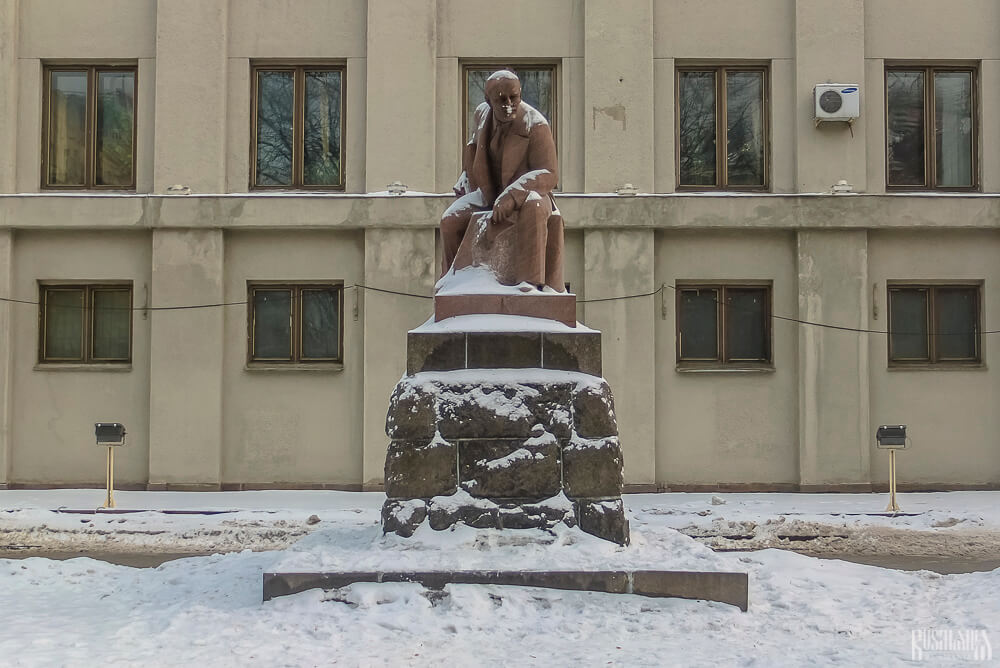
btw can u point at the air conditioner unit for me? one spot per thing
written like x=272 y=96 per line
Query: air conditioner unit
x=837 y=102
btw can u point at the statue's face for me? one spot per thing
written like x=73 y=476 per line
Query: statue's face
x=504 y=97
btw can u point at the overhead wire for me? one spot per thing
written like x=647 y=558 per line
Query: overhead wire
x=401 y=293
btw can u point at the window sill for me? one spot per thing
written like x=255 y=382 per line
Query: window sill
x=328 y=367
x=82 y=366
x=980 y=366
x=724 y=368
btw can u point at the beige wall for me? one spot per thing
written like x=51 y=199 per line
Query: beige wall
x=54 y=407
x=6 y=376
x=952 y=416
x=810 y=421
x=291 y=426
x=615 y=61
x=724 y=426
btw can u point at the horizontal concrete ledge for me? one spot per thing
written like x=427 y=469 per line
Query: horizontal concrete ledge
x=587 y=211
x=730 y=588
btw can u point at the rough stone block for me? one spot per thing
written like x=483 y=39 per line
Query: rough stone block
x=592 y=468
x=474 y=411
x=594 y=411
x=550 y=407
x=434 y=351
x=580 y=351
x=505 y=468
x=518 y=518
x=604 y=519
x=444 y=513
x=420 y=469
x=403 y=517
x=411 y=413
x=504 y=350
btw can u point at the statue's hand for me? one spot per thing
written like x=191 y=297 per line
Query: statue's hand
x=504 y=207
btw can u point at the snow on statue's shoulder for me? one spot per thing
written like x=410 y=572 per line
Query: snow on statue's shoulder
x=532 y=116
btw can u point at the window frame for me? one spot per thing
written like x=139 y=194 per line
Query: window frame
x=88 y=315
x=92 y=68
x=298 y=69
x=295 y=335
x=933 y=360
x=721 y=331
x=930 y=145
x=509 y=64
x=721 y=161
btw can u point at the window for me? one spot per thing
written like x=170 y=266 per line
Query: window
x=296 y=323
x=934 y=324
x=722 y=132
x=538 y=88
x=85 y=323
x=297 y=127
x=724 y=324
x=89 y=130
x=930 y=127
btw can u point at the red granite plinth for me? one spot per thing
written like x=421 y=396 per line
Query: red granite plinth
x=560 y=307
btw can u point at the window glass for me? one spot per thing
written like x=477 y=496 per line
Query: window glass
x=63 y=324
x=67 y=128
x=320 y=325
x=322 y=129
x=275 y=99
x=745 y=128
x=746 y=338
x=953 y=128
x=908 y=324
x=696 y=101
x=111 y=317
x=272 y=324
x=905 y=105
x=957 y=317
x=115 y=121
x=699 y=324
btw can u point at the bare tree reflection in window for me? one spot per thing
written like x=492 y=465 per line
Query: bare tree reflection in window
x=275 y=101
x=697 y=128
x=905 y=127
x=322 y=129
x=745 y=128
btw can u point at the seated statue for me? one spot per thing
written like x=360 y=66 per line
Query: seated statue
x=505 y=194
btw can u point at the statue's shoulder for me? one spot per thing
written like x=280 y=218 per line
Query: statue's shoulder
x=532 y=117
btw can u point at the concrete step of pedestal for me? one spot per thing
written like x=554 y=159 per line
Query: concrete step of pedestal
x=731 y=588
x=451 y=351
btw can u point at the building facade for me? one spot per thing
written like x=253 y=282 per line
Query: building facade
x=234 y=156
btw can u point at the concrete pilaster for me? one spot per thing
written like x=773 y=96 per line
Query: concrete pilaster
x=401 y=104
x=186 y=346
x=833 y=364
x=8 y=93
x=618 y=263
x=402 y=260
x=618 y=100
x=191 y=63
x=6 y=335
x=989 y=87
x=829 y=48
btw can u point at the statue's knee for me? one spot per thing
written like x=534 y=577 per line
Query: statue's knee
x=536 y=208
x=454 y=224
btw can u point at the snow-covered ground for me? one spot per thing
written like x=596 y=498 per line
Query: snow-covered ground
x=803 y=611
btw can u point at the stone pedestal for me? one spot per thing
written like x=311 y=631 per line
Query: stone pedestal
x=504 y=429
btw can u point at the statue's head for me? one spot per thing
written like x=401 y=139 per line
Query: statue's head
x=503 y=93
